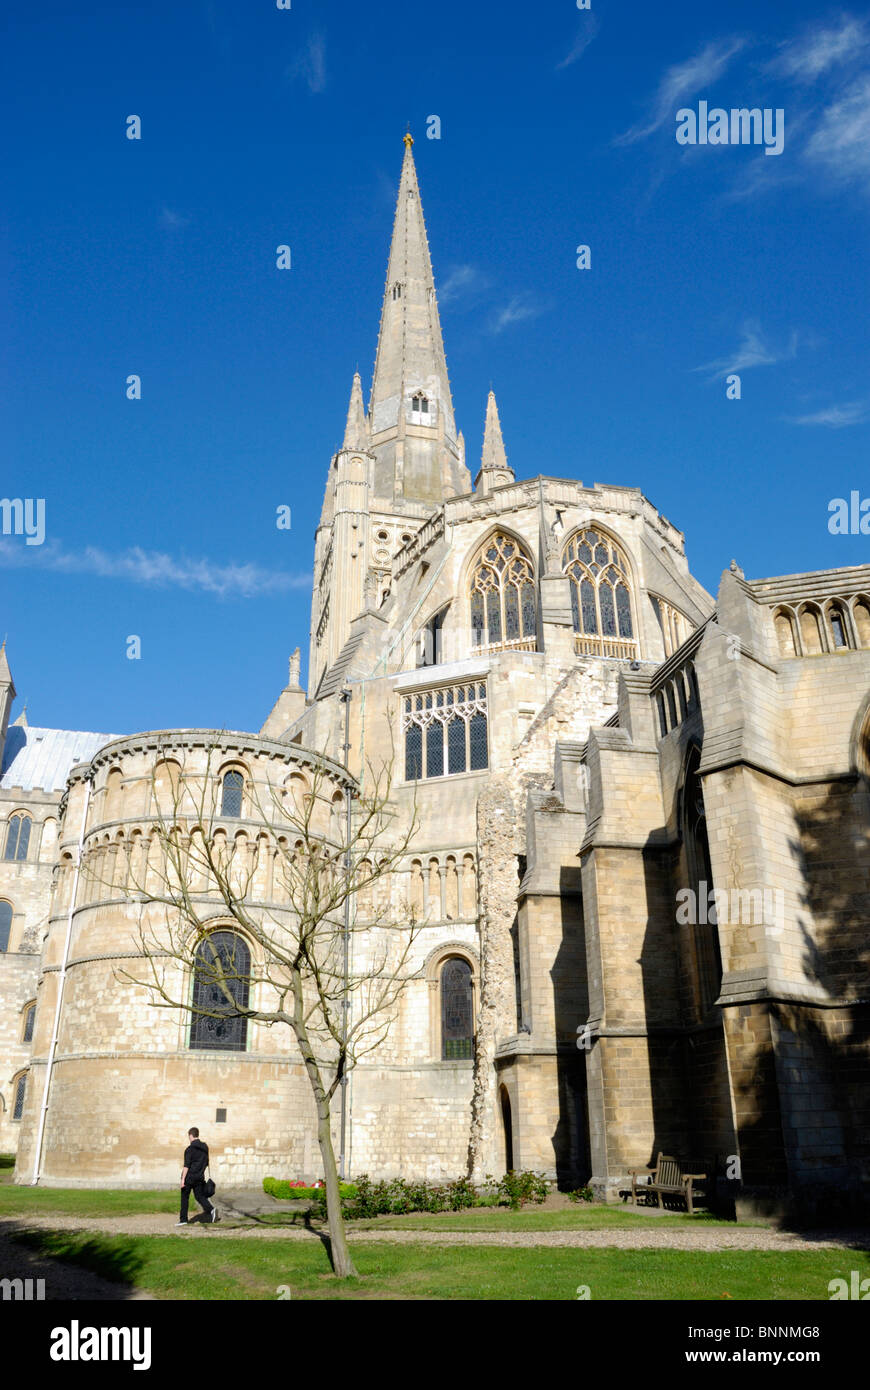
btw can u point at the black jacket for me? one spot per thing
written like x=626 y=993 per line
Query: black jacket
x=196 y=1161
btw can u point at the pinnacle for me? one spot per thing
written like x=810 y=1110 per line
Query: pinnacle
x=356 y=429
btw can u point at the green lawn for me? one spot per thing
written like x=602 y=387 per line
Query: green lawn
x=589 y=1218
x=75 y=1201
x=217 y=1269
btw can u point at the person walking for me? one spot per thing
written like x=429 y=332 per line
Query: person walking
x=193 y=1178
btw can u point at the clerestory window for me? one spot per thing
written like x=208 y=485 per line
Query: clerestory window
x=445 y=731
x=502 y=595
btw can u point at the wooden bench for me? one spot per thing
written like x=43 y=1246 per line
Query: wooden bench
x=666 y=1180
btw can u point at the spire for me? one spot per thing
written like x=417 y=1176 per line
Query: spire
x=5 y=673
x=410 y=356
x=21 y=721
x=494 y=467
x=356 y=433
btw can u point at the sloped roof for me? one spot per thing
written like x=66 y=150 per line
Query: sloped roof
x=41 y=758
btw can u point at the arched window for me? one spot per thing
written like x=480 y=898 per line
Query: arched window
x=708 y=960
x=19 y=1086
x=600 y=595
x=837 y=626
x=861 y=614
x=231 y=793
x=18 y=836
x=457 y=1010
x=221 y=984
x=811 y=636
x=502 y=593
x=112 y=802
x=5 y=926
x=420 y=405
x=784 y=624
x=29 y=1017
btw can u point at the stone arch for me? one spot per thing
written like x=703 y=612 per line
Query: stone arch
x=500 y=585
x=861 y=620
x=433 y=969
x=784 y=626
x=603 y=590
x=811 y=629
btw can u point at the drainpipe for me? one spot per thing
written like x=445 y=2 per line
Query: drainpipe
x=345 y=1002
x=60 y=986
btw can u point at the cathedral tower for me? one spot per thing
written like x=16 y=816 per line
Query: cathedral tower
x=399 y=461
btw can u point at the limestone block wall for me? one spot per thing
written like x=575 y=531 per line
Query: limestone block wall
x=18 y=977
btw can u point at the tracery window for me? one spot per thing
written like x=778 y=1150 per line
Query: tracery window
x=18 y=836
x=5 y=926
x=600 y=595
x=675 y=625
x=20 y=1086
x=445 y=731
x=504 y=609
x=457 y=1010
x=231 y=793
x=223 y=967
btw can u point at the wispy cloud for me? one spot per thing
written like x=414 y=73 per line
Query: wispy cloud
x=585 y=34
x=461 y=282
x=683 y=80
x=154 y=568
x=751 y=351
x=816 y=51
x=835 y=417
x=173 y=220
x=841 y=141
x=518 y=308
x=310 y=64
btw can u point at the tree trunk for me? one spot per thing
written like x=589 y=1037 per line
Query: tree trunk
x=342 y=1264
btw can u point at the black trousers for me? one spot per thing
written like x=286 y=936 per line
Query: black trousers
x=198 y=1190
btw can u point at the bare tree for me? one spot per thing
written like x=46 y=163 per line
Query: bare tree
x=329 y=871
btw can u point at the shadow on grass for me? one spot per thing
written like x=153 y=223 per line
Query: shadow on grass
x=95 y=1269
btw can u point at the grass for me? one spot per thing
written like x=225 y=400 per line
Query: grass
x=24 y=1201
x=586 y=1218
x=216 y=1269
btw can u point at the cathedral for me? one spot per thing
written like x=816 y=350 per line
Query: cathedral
x=640 y=863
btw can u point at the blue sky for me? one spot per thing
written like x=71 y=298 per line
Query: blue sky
x=263 y=127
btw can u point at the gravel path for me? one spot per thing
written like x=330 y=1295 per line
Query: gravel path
x=621 y=1238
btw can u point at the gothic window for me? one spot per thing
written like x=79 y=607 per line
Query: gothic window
x=445 y=731
x=457 y=1011
x=837 y=627
x=221 y=984
x=601 y=602
x=18 y=836
x=5 y=926
x=420 y=405
x=231 y=794
x=19 y=1086
x=29 y=1017
x=784 y=624
x=502 y=594
x=675 y=626
x=397 y=291
x=861 y=614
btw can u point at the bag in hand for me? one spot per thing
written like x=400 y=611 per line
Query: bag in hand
x=209 y=1185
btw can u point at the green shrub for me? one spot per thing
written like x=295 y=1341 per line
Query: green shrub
x=284 y=1189
x=515 y=1189
x=582 y=1194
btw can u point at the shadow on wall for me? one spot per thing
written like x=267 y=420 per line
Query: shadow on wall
x=571 y=1007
